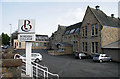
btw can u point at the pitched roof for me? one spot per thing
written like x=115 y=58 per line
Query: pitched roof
x=115 y=44
x=75 y=28
x=64 y=44
x=104 y=19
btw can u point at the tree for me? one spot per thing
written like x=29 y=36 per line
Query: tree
x=5 y=39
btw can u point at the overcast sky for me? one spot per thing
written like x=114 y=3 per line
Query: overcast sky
x=49 y=14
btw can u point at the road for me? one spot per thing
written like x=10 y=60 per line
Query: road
x=68 y=66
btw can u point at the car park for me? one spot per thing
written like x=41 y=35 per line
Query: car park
x=102 y=57
x=82 y=55
x=36 y=57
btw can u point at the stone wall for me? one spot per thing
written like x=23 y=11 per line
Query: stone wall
x=112 y=52
x=109 y=35
x=11 y=68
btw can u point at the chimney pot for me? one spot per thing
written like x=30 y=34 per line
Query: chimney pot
x=112 y=15
x=97 y=7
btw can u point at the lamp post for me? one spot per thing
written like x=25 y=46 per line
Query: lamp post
x=10 y=34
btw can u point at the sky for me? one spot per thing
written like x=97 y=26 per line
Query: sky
x=48 y=15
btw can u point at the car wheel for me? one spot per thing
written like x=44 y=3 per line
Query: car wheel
x=37 y=60
x=101 y=61
x=110 y=60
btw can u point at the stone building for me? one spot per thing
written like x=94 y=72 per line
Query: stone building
x=72 y=36
x=97 y=30
x=57 y=36
x=42 y=42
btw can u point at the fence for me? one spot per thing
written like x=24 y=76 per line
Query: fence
x=40 y=72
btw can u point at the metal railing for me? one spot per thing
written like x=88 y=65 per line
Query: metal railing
x=39 y=71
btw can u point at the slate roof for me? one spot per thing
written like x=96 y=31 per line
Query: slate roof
x=64 y=44
x=72 y=29
x=115 y=44
x=104 y=19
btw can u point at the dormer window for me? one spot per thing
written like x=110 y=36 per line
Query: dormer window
x=72 y=30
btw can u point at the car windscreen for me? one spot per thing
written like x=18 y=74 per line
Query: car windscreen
x=96 y=56
x=34 y=55
x=24 y=55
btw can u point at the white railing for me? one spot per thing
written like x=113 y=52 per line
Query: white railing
x=40 y=71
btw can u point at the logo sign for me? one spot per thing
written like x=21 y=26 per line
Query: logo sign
x=26 y=26
x=26 y=37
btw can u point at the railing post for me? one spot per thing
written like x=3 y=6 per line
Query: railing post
x=32 y=70
x=47 y=73
x=36 y=70
x=44 y=75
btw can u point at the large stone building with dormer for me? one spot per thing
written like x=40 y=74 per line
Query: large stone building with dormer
x=97 y=30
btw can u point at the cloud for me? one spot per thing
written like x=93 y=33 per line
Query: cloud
x=72 y=16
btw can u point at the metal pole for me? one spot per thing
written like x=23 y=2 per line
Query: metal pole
x=10 y=34
x=28 y=59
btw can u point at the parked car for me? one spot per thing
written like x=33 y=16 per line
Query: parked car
x=82 y=55
x=102 y=57
x=36 y=57
x=4 y=46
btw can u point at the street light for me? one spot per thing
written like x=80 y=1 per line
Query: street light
x=10 y=34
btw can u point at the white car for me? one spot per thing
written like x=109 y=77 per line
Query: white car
x=101 y=58
x=36 y=57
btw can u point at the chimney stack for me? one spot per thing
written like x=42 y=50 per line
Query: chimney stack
x=97 y=7
x=112 y=15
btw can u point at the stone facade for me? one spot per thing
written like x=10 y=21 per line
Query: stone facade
x=97 y=30
x=109 y=35
x=72 y=36
x=87 y=38
x=57 y=36
x=11 y=68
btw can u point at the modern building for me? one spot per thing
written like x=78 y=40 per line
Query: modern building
x=42 y=42
x=97 y=30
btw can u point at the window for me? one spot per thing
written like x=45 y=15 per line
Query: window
x=19 y=44
x=37 y=44
x=40 y=43
x=15 y=44
x=86 y=31
x=94 y=47
x=32 y=44
x=72 y=30
x=45 y=44
x=83 y=31
x=86 y=47
x=77 y=30
x=94 y=29
x=83 y=46
x=67 y=32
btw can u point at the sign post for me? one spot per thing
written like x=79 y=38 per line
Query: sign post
x=26 y=30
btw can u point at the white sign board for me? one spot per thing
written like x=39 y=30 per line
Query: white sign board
x=26 y=37
x=26 y=26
